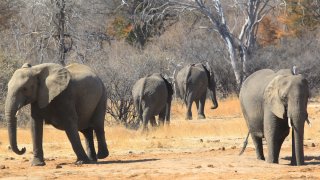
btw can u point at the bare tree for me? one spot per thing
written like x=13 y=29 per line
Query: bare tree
x=239 y=45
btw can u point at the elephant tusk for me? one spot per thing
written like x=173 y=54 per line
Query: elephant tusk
x=289 y=122
x=309 y=123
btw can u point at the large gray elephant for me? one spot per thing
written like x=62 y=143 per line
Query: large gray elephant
x=152 y=96
x=71 y=98
x=191 y=84
x=271 y=103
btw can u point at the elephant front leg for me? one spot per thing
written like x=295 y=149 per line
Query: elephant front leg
x=74 y=138
x=37 y=135
x=276 y=130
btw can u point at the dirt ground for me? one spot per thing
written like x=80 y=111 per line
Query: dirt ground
x=197 y=149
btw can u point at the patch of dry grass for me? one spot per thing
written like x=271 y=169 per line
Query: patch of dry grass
x=229 y=107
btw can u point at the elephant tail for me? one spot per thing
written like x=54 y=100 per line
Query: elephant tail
x=245 y=143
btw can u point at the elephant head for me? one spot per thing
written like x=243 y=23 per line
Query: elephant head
x=38 y=84
x=287 y=97
x=211 y=85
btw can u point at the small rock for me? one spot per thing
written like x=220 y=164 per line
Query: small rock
x=313 y=145
x=210 y=166
x=201 y=140
x=9 y=158
x=198 y=167
x=233 y=147
x=9 y=147
x=2 y=166
x=58 y=166
x=222 y=148
x=212 y=149
x=130 y=152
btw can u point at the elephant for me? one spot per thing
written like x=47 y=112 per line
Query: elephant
x=272 y=103
x=70 y=98
x=191 y=84
x=152 y=96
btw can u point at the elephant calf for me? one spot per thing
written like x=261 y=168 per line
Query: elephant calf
x=271 y=103
x=152 y=96
x=71 y=98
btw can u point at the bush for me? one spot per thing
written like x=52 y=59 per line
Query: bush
x=302 y=52
x=7 y=69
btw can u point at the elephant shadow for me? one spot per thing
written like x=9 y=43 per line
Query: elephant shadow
x=126 y=161
x=309 y=160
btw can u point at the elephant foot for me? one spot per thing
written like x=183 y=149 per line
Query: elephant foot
x=275 y=161
x=201 y=116
x=38 y=162
x=295 y=163
x=188 y=118
x=83 y=161
x=103 y=154
x=93 y=158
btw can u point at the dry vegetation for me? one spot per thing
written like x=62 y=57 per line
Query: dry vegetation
x=186 y=149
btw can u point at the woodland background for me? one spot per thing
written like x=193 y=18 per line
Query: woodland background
x=126 y=40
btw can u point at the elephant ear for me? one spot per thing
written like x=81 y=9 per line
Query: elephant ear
x=275 y=95
x=53 y=79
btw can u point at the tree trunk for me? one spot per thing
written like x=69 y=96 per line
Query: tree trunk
x=61 y=28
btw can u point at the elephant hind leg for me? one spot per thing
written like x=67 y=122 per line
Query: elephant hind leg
x=72 y=132
x=153 y=121
x=257 y=141
x=162 y=117
x=189 y=106
x=146 y=116
x=91 y=152
x=200 y=107
x=98 y=121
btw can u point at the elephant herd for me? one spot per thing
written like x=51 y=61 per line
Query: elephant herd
x=73 y=98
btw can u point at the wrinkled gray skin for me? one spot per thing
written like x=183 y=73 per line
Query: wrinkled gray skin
x=268 y=99
x=152 y=96
x=71 y=98
x=192 y=83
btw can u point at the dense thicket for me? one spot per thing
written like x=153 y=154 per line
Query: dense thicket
x=102 y=34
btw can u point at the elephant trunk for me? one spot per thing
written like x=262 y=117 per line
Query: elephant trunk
x=11 y=108
x=297 y=144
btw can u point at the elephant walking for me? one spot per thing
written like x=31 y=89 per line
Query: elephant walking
x=192 y=83
x=71 y=98
x=271 y=103
x=152 y=96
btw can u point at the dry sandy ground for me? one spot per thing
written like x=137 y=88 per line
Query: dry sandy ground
x=197 y=149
